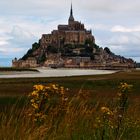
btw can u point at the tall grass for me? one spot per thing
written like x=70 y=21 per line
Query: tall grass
x=54 y=113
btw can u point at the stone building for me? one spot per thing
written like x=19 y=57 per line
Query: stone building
x=30 y=62
x=72 y=33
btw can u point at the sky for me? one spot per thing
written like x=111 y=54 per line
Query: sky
x=114 y=24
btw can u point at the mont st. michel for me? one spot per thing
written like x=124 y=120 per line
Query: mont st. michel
x=71 y=46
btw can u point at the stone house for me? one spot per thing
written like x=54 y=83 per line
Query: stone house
x=31 y=62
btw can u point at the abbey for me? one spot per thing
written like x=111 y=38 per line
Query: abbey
x=73 y=33
x=71 y=46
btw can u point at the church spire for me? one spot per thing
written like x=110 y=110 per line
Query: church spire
x=71 y=11
x=71 y=18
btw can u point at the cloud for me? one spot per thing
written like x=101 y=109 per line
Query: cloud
x=119 y=28
x=3 y=41
x=20 y=35
x=31 y=7
x=47 y=7
x=113 y=5
x=15 y=42
x=125 y=39
x=115 y=24
x=121 y=43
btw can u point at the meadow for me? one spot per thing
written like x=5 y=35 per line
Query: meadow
x=75 y=108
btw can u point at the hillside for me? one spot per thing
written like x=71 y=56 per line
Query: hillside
x=75 y=55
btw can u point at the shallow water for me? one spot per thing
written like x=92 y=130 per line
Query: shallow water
x=55 y=73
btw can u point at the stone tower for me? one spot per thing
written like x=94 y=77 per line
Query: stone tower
x=71 y=18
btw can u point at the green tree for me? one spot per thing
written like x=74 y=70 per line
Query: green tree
x=35 y=46
x=107 y=50
x=42 y=58
x=52 y=49
x=28 y=54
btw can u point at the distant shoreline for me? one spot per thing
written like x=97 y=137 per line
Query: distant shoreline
x=42 y=72
x=10 y=69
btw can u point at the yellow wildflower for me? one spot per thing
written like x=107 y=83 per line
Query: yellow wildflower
x=35 y=105
x=124 y=87
x=106 y=111
x=46 y=94
x=32 y=100
x=34 y=93
x=62 y=90
x=54 y=87
x=119 y=94
x=30 y=114
x=38 y=114
x=47 y=87
x=39 y=87
x=42 y=94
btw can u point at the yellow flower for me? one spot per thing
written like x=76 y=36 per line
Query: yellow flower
x=46 y=94
x=39 y=87
x=119 y=94
x=35 y=105
x=32 y=100
x=106 y=111
x=38 y=114
x=34 y=93
x=30 y=114
x=47 y=87
x=62 y=88
x=124 y=87
x=62 y=91
x=109 y=113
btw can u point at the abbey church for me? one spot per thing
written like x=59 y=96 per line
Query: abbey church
x=73 y=33
x=71 y=46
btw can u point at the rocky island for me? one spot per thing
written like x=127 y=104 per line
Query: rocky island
x=71 y=46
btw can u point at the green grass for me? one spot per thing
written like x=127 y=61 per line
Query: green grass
x=97 y=91
x=6 y=102
x=101 y=84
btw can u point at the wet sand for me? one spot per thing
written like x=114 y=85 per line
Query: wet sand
x=44 y=72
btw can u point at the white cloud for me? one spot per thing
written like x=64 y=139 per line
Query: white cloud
x=20 y=34
x=100 y=27
x=119 y=28
x=121 y=43
x=115 y=24
x=3 y=41
x=8 y=50
x=120 y=40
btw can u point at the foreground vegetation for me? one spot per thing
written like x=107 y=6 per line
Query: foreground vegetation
x=71 y=108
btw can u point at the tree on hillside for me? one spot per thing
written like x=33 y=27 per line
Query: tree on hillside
x=107 y=50
x=35 y=46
